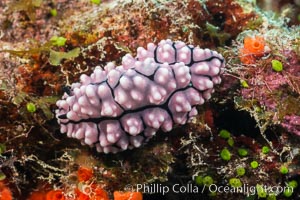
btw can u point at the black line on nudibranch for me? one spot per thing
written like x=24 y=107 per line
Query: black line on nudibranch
x=121 y=126
x=175 y=49
x=151 y=77
x=118 y=83
x=143 y=122
x=113 y=94
x=111 y=89
x=192 y=56
x=63 y=116
x=155 y=51
x=173 y=73
x=98 y=134
x=99 y=83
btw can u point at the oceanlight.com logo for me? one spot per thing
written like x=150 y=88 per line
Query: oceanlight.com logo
x=157 y=188
x=249 y=190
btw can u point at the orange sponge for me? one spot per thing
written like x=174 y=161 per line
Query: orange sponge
x=253 y=48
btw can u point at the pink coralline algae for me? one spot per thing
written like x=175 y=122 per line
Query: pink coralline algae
x=292 y=124
x=121 y=107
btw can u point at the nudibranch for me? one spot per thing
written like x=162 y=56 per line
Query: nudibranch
x=122 y=107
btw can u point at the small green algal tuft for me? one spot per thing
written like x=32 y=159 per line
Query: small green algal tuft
x=225 y=154
x=224 y=134
x=199 y=180
x=2 y=148
x=230 y=141
x=257 y=109
x=185 y=29
x=254 y=164
x=56 y=56
x=31 y=107
x=235 y=182
x=265 y=150
x=96 y=2
x=240 y=171
x=242 y=152
x=284 y=169
x=244 y=83
x=2 y=176
x=53 y=12
x=277 y=65
x=293 y=184
x=207 y=180
x=288 y=191
x=271 y=196
x=261 y=193
x=58 y=41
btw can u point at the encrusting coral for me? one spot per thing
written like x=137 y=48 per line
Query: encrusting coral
x=111 y=110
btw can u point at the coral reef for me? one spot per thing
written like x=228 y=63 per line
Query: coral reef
x=246 y=135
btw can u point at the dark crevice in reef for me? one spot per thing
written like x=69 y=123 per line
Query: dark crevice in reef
x=241 y=123
x=236 y=122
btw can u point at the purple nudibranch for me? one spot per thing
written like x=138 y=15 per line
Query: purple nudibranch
x=122 y=107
